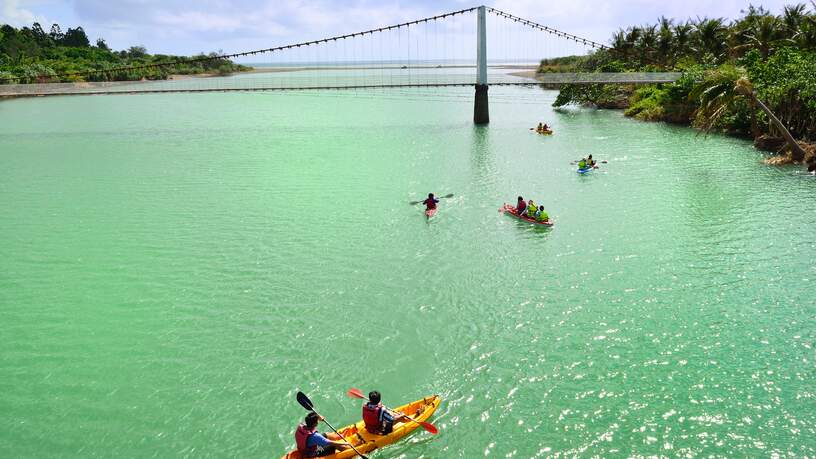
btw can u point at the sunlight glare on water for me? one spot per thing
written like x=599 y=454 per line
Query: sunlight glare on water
x=176 y=267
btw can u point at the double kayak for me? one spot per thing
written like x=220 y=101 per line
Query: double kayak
x=510 y=210
x=364 y=441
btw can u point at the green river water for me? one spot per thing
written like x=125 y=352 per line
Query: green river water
x=175 y=267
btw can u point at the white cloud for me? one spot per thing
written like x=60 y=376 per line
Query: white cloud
x=11 y=13
x=197 y=21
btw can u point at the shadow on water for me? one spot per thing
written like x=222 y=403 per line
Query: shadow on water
x=481 y=156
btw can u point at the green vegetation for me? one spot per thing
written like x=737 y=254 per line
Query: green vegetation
x=753 y=76
x=30 y=55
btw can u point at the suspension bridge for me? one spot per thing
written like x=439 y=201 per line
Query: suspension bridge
x=436 y=51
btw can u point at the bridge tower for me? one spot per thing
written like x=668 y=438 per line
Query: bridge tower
x=481 y=114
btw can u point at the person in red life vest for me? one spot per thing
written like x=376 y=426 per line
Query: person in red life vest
x=521 y=206
x=431 y=202
x=379 y=419
x=312 y=443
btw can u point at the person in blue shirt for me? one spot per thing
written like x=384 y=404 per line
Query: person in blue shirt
x=312 y=443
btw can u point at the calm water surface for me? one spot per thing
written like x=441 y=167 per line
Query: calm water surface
x=175 y=267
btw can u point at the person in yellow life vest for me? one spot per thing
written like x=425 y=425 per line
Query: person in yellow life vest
x=531 y=208
x=541 y=215
x=582 y=164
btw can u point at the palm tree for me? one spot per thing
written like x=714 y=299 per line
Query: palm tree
x=721 y=88
x=619 y=44
x=766 y=35
x=710 y=37
x=665 y=41
x=682 y=38
x=647 y=43
x=793 y=17
x=806 y=37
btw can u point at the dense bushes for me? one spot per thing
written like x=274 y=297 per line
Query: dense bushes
x=29 y=55
x=777 y=54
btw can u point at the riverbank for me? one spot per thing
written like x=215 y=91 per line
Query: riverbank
x=645 y=103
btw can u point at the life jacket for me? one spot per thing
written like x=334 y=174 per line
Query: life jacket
x=582 y=164
x=302 y=435
x=542 y=216
x=371 y=417
x=531 y=210
x=430 y=203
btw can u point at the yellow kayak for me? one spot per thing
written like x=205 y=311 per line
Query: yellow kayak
x=365 y=442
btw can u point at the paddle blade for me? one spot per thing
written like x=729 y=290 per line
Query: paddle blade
x=429 y=427
x=413 y=203
x=448 y=196
x=304 y=401
x=355 y=393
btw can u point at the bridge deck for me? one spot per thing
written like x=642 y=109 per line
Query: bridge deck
x=309 y=81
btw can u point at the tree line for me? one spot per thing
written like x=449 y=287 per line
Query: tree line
x=753 y=76
x=30 y=55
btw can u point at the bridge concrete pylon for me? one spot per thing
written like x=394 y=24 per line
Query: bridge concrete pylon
x=481 y=113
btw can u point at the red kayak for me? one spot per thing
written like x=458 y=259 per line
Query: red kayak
x=510 y=210
x=430 y=212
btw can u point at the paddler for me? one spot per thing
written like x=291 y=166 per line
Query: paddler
x=379 y=419
x=582 y=164
x=540 y=215
x=521 y=206
x=531 y=208
x=431 y=202
x=590 y=161
x=312 y=443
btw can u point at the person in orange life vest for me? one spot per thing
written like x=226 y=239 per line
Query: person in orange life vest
x=312 y=443
x=431 y=202
x=378 y=419
x=521 y=206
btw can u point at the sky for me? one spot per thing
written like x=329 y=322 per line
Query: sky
x=188 y=27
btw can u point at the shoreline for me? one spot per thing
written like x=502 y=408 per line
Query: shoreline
x=761 y=143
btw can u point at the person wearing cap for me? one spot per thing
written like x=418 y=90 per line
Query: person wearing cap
x=311 y=443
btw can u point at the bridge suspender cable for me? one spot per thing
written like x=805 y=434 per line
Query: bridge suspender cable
x=407 y=25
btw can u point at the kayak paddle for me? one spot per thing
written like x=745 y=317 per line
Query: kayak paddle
x=355 y=393
x=307 y=405
x=413 y=203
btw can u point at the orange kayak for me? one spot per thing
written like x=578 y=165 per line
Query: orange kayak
x=365 y=441
x=510 y=210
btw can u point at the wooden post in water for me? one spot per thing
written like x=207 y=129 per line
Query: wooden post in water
x=481 y=114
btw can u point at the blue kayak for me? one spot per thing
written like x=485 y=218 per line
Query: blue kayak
x=585 y=170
